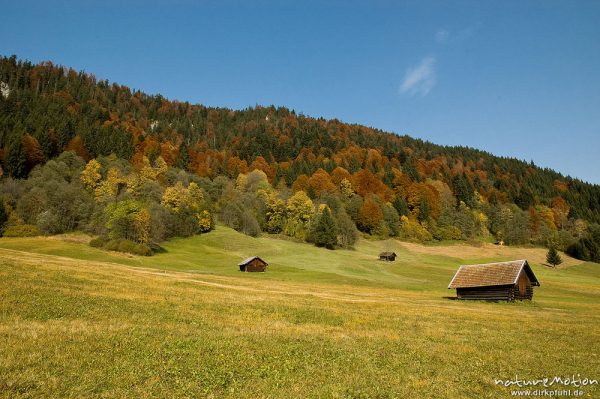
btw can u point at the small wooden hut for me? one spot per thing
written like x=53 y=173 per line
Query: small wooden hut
x=253 y=264
x=387 y=256
x=502 y=281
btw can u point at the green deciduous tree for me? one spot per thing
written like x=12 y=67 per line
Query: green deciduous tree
x=129 y=220
x=347 y=233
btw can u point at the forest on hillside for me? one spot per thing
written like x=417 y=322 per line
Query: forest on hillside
x=134 y=169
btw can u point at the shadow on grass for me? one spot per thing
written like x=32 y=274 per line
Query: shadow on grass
x=157 y=249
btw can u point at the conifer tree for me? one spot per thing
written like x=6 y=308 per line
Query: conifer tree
x=324 y=230
x=16 y=162
x=553 y=257
x=183 y=161
x=401 y=206
x=463 y=189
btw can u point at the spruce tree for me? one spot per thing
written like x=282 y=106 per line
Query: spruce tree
x=183 y=160
x=463 y=190
x=423 y=211
x=401 y=206
x=553 y=257
x=410 y=169
x=325 y=230
x=16 y=162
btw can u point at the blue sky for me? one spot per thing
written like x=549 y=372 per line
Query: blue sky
x=515 y=78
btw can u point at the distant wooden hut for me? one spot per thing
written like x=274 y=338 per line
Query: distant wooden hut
x=253 y=264
x=502 y=281
x=387 y=256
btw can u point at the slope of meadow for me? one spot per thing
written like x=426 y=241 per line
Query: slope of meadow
x=80 y=322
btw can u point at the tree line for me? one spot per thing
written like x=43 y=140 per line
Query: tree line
x=262 y=169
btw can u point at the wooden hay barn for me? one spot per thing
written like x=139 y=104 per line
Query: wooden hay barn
x=502 y=281
x=387 y=256
x=253 y=264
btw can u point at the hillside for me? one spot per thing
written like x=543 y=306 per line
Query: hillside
x=218 y=253
x=55 y=104
x=381 y=183
x=319 y=323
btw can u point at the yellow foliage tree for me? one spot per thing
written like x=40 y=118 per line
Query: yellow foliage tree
x=346 y=188
x=147 y=172
x=204 y=221
x=194 y=198
x=299 y=211
x=180 y=199
x=134 y=183
x=90 y=176
x=108 y=188
x=240 y=182
x=160 y=168
x=141 y=225
x=175 y=197
x=411 y=229
x=275 y=209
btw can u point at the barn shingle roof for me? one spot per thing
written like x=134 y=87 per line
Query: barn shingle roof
x=491 y=274
x=250 y=259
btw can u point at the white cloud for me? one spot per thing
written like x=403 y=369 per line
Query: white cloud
x=441 y=36
x=419 y=79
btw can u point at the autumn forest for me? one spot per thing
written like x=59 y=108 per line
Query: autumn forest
x=133 y=169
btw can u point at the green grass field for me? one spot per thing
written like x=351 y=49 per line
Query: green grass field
x=80 y=322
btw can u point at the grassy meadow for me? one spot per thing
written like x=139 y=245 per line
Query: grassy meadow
x=80 y=322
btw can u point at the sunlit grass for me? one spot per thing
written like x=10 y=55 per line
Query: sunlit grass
x=79 y=322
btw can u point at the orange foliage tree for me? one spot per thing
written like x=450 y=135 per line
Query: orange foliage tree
x=561 y=211
x=261 y=163
x=365 y=182
x=339 y=174
x=301 y=183
x=76 y=145
x=33 y=151
x=369 y=215
x=168 y=152
x=421 y=195
x=321 y=182
x=401 y=183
